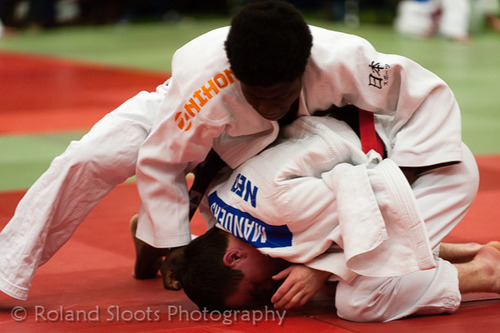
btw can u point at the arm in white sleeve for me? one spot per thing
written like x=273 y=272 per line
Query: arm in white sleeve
x=165 y=158
x=417 y=114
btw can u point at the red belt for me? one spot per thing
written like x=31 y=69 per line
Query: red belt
x=369 y=138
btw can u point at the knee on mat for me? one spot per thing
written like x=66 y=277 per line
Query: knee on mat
x=468 y=185
x=359 y=309
x=372 y=300
x=471 y=182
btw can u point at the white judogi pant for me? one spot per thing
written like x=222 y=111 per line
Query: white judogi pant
x=444 y=196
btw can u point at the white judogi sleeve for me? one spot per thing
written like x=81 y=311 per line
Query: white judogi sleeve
x=74 y=183
x=203 y=108
x=316 y=191
x=416 y=113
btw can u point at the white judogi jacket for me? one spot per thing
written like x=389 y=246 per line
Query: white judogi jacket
x=316 y=198
x=416 y=115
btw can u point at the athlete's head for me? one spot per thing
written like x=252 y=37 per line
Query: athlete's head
x=223 y=272
x=268 y=46
x=268 y=43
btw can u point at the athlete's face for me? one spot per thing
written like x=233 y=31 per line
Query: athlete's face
x=257 y=286
x=272 y=102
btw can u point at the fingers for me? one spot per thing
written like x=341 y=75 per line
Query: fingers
x=283 y=274
x=283 y=290
x=285 y=287
x=294 y=291
x=170 y=267
x=167 y=273
x=292 y=297
x=301 y=283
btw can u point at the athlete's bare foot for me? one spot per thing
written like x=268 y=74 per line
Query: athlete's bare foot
x=494 y=244
x=457 y=253
x=147 y=258
x=482 y=274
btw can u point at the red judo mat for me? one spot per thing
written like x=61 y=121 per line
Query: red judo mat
x=42 y=94
x=88 y=284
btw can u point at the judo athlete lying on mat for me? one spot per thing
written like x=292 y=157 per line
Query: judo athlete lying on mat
x=229 y=87
x=315 y=198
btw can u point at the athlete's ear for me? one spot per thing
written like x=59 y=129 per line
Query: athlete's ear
x=233 y=258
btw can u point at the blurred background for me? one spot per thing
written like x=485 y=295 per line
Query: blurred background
x=51 y=13
x=472 y=15
x=108 y=29
x=459 y=40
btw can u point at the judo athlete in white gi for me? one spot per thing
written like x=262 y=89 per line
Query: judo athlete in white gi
x=316 y=198
x=427 y=18
x=229 y=87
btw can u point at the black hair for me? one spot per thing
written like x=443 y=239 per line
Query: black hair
x=203 y=275
x=268 y=43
